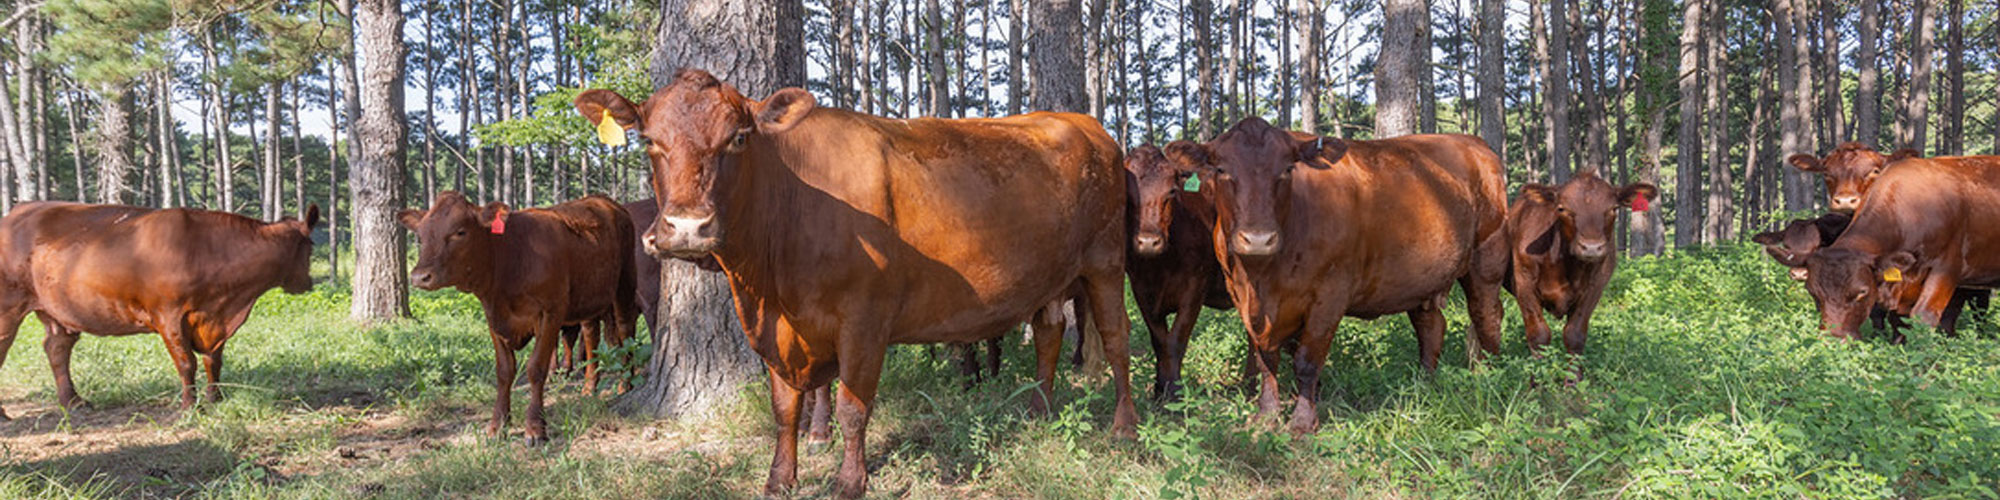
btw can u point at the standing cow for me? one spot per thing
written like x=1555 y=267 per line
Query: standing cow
x=1170 y=260
x=1563 y=251
x=534 y=272
x=190 y=275
x=843 y=233
x=1309 y=230
x=1924 y=226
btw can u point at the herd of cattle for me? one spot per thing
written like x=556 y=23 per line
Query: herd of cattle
x=843 y=233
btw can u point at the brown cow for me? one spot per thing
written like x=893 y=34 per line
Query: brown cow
x=1924 y=218
x=1563 y=251
x=1309 y=230
x=1848 y=170
x=190 y=275
x=1170 y=259
x=1802 y=237
x=534 y=272
x=843 y=233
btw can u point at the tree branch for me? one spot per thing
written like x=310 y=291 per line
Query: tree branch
x=21 y=13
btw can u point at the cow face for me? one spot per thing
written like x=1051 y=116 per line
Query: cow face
x=454 y=241
x=1151 y=183
x=1848 y=170
x=1800 y=239
x=1247 y=173
x=1846 y=283
x=295 y=238
x=698 y=132
x=1586 y=209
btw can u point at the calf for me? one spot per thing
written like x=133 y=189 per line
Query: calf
x=191 y=276
x=1563 y=252
x=1924 y=217
x=1170 y=259
x=534 y=272
x=1309 y=230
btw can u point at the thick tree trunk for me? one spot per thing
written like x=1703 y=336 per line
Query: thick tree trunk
x=1311 y=30
x=934 y=42
x=1058 y=65
x=1720 y=210
x=1688 y=160
x=1399 y=72
x=114 y=143
x=380 y=283
x=1951 y=140
x=1834 y=121
x=1596 y=138
x=1493 y=75
x=1913 y=120
x=163 y=117
x=1794 y=91
x=1555 y=105
x=1202 y=14
x=700 y=358
x=1868 y=90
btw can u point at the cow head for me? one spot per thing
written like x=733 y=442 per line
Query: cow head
x=1800 y=239
x=1586 y=209
x=294 y=236
x=1846 y=283
x=1151 y=183
x=698 y=132
x=454 y=241
x=1247 y=173
x=1848 y=170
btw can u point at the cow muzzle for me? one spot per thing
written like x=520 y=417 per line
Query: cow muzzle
x=1844 y=203
x=1592 y=251
x=1799 y=274
x=1254 y=243
x=425 y=279
x=1149 y=244
x=682 y=237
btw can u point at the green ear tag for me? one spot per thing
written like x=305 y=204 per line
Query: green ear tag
x=1193 y=184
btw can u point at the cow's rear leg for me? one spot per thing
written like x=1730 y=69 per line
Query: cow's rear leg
x=820 y=404
x=57 y=346
x=213 y=362
x=1482 y=303
x=1048 y=336
x=1428 y=324
x=1105 y=298
x=10 y=325
x=591 y=332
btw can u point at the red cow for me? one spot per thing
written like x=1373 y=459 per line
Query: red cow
x=1564 y=252
x=1309 y=230
x=189 y=275
x=843 y=233
x=1802 y=237
x=1924 y=218
x=534 y=272
x=1849 y=170
x=1170 y=260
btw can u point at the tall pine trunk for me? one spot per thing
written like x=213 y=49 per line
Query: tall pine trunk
x=1493 y=75
x=1058 y=66
x=376 y=177
x=114 y=143
x=1868 y=90
x=1951 y=140
x=1688 y=158
x=1913 y=117
x=1398 y=71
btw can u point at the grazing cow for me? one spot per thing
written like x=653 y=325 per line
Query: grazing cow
x=1309 y=230
x=1925 y=218
x=1563 y=251
x=1170 y=259
x=1800 y=238
x=534 y=272
x=843 y=233
x=189 y=275
x=1849 y=170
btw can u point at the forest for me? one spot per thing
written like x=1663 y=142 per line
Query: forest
x=1709 y=376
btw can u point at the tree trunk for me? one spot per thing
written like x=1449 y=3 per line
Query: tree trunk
x=1311 y=29
x=1202 y=13
x=1834 y=121
x=163 y=116
x=1399 y=71
x=1868 y=91
x=1913 y=120
x=1794 y=91
x=1720 y=210
x=1058 y=51
x=380 y=283
x=1595 y=132
x=114 y=143
x=1688 y=161
x=274 y=136
x=1755 y=202
x=934 y=42
x=700 y=358
x=466 y=101
x=1555 y=106
x=1951 y=140
x=1493 y=75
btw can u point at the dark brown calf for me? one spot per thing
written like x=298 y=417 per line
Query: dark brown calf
x=189 y=275
x=1170 y=259
x=534 y=271
x=1564 y=252
x=1310 y=230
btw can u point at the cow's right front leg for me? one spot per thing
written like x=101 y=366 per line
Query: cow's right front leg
x=503 y=377
x=10 y=325
x=785 y=402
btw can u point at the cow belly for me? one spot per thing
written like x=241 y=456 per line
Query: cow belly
x=96 y=315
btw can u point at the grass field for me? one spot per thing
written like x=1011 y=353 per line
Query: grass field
x=1706 y=378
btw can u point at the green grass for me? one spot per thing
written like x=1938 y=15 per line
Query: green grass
x=1706 y=378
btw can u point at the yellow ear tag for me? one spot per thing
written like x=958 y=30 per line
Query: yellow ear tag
x=1892 y=275
x=608 y=131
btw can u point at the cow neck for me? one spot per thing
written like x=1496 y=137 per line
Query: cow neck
x=505 y=260
x=761 y=211
x=1872 y=233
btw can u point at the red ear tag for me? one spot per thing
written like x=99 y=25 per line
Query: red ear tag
x=1639 y=203
x=500 y=221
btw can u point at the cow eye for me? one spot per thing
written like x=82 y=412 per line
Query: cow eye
x=460 y=233
x=739 y=139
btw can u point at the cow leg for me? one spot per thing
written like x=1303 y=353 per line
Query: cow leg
x=860 y=370
x=993 y=356
x=1576 y=329
x=213 y=362
x=967 y=356
x=1163 y=339
x=1533 y=323
x=538 y=380
x=1310 y=357
x=181 y=349
x=1264 y=358
x=624 y=324
x=785 y=403
x=1428 y=324
x=1948 y=323
x=1482 y=303
x=821 y=403
x=503 y=376
x=10 y=326
x=590 y=361
x=1937 y=294
x=1167 y=363
x=566 y=353
x=58 y=345
x=1105 y=297
x=1048 y=337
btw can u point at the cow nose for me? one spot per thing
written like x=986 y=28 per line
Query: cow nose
x=1846 y=203
x=1148 y=244
x=1589 y=249
x=421 y=278
x=1799 y=274
x=1256 y=242
x=685 y=237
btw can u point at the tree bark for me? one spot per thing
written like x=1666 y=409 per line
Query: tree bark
x=1834 y=124
x=1688 y=158
x=114 y=143
x=1555 y=105
x=1913 y=122
x=1868 y=91
x=1311 y=30
x=1794 y=94
x=1202 y=14
x=1951 y=140
x=934 y=42
x=1399 y=71
x=1719 y=209
x=700 y=357
x=380 y=283
x=1058 y=68
x=274 y=137
x=1493 y=75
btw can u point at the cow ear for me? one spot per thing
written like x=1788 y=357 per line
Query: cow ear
x=596 y=104
x=1899 y=260
x=1330 y=149
x=1538 y=193
x=1806 y=162
x=1902 y=154
x=410 y=217
x=1768 y=238
x=491 y=212
x=783 y=109
x=1190 y=156
x=1541 y=244
x=1638 y=195
x=312 y=216
x=1831 y=225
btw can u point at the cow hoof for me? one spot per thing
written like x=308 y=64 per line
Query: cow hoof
x=815 y=446
x=537 y=441
x=4 y=417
